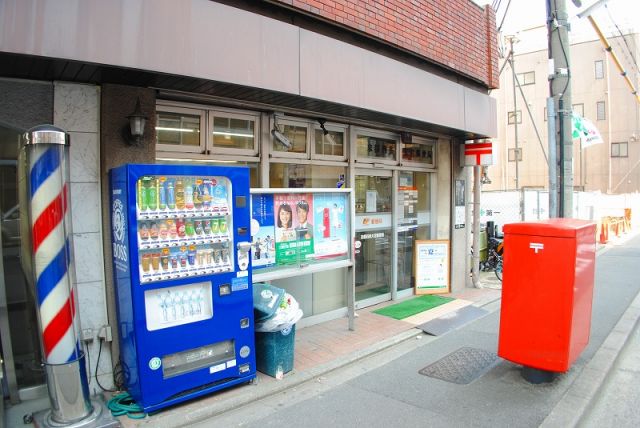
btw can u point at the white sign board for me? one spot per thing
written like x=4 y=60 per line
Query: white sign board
x=431 y=267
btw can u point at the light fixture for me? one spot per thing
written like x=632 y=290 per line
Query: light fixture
x=279 y=136
x=134 y=133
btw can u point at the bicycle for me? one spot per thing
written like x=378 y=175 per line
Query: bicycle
x=494 y=257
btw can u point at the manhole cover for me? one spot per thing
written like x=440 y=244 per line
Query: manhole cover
x=462 y=366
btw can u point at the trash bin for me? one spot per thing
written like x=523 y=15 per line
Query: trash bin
x=275 y=314
x=547 y=292
x=274 y=351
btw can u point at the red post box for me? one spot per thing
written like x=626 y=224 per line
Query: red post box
x=547 y=291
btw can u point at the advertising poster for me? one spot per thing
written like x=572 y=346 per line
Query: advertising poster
x=330 y=216
x=294 y=228
x=263 y=231
x=432 y=267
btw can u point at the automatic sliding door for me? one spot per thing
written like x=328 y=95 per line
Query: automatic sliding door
x=373 y=237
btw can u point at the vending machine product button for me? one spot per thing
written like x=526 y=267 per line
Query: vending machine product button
x=225 y=289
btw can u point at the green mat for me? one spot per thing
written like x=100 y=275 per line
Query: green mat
x=414 y=306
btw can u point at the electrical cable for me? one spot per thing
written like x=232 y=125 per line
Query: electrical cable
x=123 y=404
x=86 y=347
x=506 y=10
x=96 y=372
x=633 y=60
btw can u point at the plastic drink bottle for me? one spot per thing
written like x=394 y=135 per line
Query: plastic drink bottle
x=188 y=195
x=179 y=194
x=171 y=195
x=162 y=194
x=197 y=194
x=142 y=196
x=152 y=194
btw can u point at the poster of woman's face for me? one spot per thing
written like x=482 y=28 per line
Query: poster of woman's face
x=285 y=216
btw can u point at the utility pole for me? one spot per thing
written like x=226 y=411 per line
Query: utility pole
x=560 y=92
x=515 y=112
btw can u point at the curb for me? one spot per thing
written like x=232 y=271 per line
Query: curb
x=574 y=404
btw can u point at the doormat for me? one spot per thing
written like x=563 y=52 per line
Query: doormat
x=414 y=306
x=462 y=366
x=453 y=320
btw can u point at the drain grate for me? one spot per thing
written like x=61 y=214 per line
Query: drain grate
x=462 y=366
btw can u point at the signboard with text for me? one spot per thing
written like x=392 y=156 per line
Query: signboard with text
x=431 y=266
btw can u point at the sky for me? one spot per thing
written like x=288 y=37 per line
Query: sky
x=526 y=19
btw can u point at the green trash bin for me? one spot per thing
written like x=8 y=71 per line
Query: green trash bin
x=274 y=351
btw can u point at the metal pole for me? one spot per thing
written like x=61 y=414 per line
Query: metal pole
x=46 y=154
x=553 y=159
x=515 y=115
x=475 y=271
x=560 y=90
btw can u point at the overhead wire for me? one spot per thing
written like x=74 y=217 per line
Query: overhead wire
x=633 y=60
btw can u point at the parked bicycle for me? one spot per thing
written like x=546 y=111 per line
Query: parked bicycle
x=495 y=252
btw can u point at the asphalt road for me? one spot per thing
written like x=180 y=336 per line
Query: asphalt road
x=387 y=390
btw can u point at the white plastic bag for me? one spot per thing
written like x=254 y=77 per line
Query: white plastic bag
x=287 y=314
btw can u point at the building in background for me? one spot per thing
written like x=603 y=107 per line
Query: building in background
x=376 y=95
x=598 y=93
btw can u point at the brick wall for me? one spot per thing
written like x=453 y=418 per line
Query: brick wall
x=458 y=34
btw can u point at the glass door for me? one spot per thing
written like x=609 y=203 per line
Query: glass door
x=373 y=249
x=414 y=222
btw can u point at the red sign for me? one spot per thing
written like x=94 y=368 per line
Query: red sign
x=478 y=154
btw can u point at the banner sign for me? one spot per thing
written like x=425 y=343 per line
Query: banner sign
x=585 y=130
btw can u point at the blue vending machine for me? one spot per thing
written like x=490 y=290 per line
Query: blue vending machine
x=181 y=241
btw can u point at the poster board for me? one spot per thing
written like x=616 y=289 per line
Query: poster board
x=292 y=229
x=431 y=264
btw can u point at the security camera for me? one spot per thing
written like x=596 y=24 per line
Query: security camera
x=279 y=136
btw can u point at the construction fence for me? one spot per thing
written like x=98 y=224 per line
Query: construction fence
x=612 y=213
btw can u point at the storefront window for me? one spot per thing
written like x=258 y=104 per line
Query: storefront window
x=284 y=175
x=330 y=143
x=178 y=129
x=297 y=136
x=254 y=177
x=233 y=133
x=376 y=147
x=419 y=151
x=373 y=194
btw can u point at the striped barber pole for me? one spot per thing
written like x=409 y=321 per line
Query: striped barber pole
x=49 y=196
x=478 y=154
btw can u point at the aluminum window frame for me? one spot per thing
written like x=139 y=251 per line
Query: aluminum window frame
x=233 y=114
x=366 y=161
x=291 y=121
x=524 y=81
x=518 y=117
x=598 y=69
x=186 y=110
x=433 y=142
x=512 y=154
x=619 y=146
x=601 y=107
x=334 y=127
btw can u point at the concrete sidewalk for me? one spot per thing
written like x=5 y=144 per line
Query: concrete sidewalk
x=327 y=347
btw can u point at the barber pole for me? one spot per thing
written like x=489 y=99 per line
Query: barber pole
x=49 y=194
x=478 y=154
x=46 y=159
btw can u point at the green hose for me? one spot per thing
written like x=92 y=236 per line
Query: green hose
x=123 y=404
